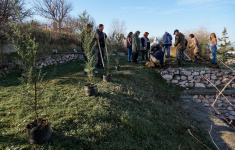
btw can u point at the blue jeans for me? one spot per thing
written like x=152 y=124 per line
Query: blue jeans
x=130 y=55
x=213 y=51
x=168 y=46
x=182 y=55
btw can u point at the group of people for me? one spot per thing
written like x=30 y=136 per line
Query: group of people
x=150 y=51
x=156 y=54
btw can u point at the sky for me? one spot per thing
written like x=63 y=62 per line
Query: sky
x=159 y=16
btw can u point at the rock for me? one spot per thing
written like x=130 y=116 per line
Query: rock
x=177 y=72
x=213 y=77
x=174 y=81
x=195 y=96
x=177 y=77
x=197 y=77
x=227 y=114
x=232 y=113
x=190 y=84
x=206 y=105
x=230 y=108
x=200 y=85
x=186 y=73
x=195 y=73
x=208 y=76
x=183 y=77
x=198 y=81
x=231 y=117
x=202 y=72
x=167 y=77
x=218 y=82
x=190 y=77
x=182 y=83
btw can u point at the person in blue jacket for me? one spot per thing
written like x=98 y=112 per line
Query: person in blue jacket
x=167 y=41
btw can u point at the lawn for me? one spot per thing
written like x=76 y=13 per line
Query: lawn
x=138 y=110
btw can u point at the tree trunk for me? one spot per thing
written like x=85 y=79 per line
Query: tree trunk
x=60 y=24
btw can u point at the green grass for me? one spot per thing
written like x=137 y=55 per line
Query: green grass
x=138 y=110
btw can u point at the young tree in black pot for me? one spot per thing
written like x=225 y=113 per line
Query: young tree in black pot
x=39 y=130
x=88 y=46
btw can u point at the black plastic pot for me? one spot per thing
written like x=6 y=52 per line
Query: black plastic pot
x=118 y=68
x=91 y=90
x=39 y=134
x=107 y=78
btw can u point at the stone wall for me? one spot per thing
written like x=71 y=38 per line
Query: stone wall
x=193 y=78
x=222 y=104
x=58 y=59
x=5 y=68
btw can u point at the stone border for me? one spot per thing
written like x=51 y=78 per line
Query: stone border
x=193 y=78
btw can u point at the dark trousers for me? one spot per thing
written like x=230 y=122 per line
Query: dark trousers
x=136 y=55
x=144 y=54
x=99 y=63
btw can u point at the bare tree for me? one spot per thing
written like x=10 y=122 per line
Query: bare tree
x=55 y=10
x=7 y=12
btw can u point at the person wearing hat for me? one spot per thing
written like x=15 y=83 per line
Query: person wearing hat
x=100 y=45
x=180 y=45
x=195 y=45
x=136 y=46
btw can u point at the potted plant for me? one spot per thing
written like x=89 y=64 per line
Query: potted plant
x=88 y=46
x=39 y=130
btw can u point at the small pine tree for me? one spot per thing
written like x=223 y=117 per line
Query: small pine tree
x=225 y=45
x=27 y=48
x=88 y=46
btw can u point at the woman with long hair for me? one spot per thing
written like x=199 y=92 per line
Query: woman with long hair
x=213 y=41
x=129 y=46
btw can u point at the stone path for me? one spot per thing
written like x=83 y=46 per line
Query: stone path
x=223 y=135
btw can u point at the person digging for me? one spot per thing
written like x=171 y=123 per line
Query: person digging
x=180 y=45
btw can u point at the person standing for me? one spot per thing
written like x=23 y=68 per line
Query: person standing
x=180 y=45
x=167 y=41
x=136 y=46
x=195 y=45
x=145 y=46
x=129 y=46
x=100 y=45
x=213 y=49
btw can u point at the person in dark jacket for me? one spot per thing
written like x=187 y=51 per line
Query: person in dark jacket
x=158 y=57
x=167 y=41
x=145 y=46
x=180 y=45
x=100 y=40
x=136 y=46
x=129 y=46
